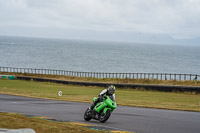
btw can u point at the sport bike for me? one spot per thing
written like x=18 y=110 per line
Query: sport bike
x=102 y=110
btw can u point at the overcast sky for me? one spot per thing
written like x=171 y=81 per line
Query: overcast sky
x=161 y=21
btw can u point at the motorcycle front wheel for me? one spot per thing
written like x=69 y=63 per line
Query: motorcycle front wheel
x=104 y=117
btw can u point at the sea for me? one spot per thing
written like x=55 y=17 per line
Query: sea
x=98 y=56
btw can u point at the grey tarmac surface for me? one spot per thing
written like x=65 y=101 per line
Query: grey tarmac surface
x=142 y=120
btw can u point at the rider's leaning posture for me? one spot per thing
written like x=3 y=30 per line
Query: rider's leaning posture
x=108 y=92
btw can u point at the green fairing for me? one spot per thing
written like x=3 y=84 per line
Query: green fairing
x=106 y=104
x=105 y=110
x=100 y=106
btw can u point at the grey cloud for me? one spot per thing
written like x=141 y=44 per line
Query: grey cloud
x=176 y=18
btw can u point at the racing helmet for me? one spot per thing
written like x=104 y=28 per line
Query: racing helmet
x=111 y=89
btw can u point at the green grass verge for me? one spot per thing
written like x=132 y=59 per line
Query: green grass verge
x=128 y=97
x=110 y=80
x=18 y=121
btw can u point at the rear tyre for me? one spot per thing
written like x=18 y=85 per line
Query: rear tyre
x=87 y=114
x=104 y=117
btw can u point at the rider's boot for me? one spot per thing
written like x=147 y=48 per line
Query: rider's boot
x=94 y=104
x=92 y=107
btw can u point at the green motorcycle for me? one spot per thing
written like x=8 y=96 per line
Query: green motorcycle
x=102 y=110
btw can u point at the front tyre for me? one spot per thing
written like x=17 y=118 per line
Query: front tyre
x=87 y=115
x=104 y=117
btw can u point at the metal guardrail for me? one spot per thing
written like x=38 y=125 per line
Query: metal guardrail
x=158 y=76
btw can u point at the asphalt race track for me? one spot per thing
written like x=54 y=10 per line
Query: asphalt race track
x=142 y=120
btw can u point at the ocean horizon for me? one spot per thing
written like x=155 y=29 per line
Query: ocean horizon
x=98 y=56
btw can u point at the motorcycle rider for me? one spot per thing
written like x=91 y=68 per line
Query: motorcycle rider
x=108 y=92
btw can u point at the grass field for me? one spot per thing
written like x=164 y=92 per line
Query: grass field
x=18 y=121
x=110 y=80
x=138 y=98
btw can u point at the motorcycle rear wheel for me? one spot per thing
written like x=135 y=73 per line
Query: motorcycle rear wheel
x=104 y=117
x=87 y=117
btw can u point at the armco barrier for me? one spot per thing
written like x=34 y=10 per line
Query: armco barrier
x=163 y=88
